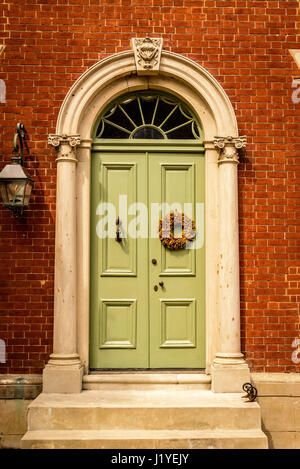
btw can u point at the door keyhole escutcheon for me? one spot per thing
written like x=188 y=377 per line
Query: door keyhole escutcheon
x=161 y=284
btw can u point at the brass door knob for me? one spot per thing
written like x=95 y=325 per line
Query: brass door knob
x=154 y=261
x=161 y=284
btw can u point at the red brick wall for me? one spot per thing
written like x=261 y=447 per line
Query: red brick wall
x=244 y=44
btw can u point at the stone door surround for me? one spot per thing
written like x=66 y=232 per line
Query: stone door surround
x=91 y=93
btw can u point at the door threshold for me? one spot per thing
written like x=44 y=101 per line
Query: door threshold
x=96 y=371
x=98 y=379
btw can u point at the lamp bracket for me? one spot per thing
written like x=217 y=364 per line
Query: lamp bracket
x=20 y=136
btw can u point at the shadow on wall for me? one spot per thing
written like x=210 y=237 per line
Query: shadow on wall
x=2 y=351
x=2 y=91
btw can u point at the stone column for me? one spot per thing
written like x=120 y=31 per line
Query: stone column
x=229 y=370
x=63 y=373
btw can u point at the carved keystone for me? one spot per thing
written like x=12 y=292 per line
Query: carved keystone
x=147 y=54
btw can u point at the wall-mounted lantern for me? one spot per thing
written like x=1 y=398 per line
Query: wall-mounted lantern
x=15 y=183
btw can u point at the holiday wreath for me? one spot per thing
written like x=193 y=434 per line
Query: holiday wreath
x=178 y=222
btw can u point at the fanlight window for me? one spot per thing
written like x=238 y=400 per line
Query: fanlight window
x=148 y=116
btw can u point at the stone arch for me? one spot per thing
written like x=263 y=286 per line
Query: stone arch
x=116 y=74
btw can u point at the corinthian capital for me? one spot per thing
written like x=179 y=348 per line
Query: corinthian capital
x=57 y=140
x=228 y=146
x=65 y=145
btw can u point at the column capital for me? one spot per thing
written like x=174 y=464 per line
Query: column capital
x=228 y=148
x=57 y=140
x=65 y=145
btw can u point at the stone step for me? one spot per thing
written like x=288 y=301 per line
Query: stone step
x=146 y=380
x=143 y=410
x=145 y=439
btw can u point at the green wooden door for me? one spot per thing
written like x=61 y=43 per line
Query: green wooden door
x=134 y=324
x=177 y=330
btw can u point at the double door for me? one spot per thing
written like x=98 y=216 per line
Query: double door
x=147 y=301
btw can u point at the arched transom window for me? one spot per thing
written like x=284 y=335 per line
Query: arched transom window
x=148 y=115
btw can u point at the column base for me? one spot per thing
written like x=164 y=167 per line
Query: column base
x=229 y=377
x=63 y=375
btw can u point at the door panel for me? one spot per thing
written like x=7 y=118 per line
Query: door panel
x=119 y=273
x=177 y=186
x=117 y=325
x=117 y=262
x=178 y=323
x=133 y=326
x=176 y=310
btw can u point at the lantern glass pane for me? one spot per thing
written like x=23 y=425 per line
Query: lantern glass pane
x=15 y=192
x=28 y=188
x=3 y=192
